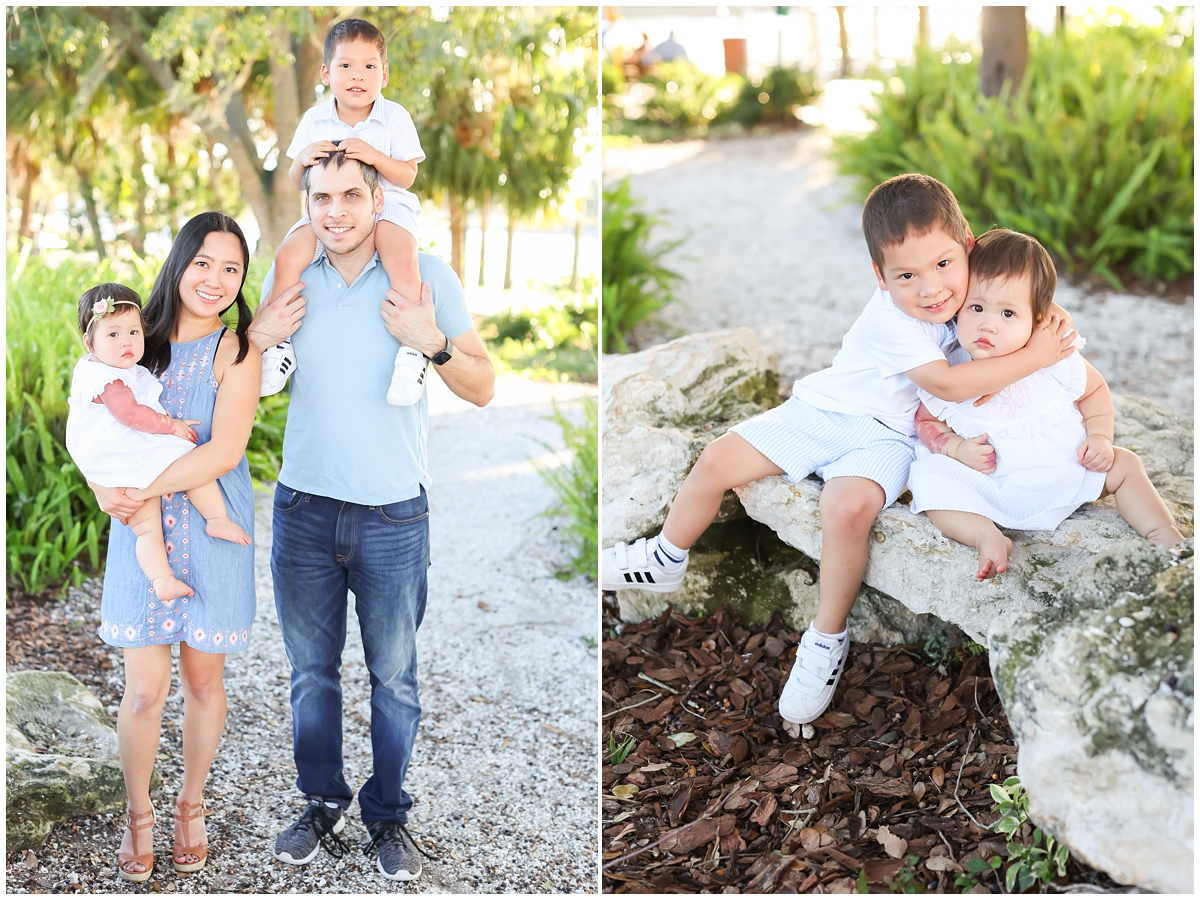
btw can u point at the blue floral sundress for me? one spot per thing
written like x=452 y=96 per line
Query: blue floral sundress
x=219 y=617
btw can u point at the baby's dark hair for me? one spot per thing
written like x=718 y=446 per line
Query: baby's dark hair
x=910 y=204
x=118 y=296
x=1001 y=253
x=350 y=30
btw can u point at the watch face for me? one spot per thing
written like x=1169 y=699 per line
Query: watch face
x=440 y=358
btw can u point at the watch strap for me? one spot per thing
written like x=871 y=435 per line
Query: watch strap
x=443 y=356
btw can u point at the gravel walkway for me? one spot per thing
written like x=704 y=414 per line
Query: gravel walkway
x=776 y=244
x=504 y=771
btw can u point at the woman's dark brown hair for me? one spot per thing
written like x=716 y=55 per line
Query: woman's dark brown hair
x=161 y=313
x=1002 y=254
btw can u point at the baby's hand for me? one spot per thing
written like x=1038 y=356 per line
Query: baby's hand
x=315 y=152
x=976 y=453
x=1052 y=340
x=357 y=148
x=182 y=428
x=1096 y=453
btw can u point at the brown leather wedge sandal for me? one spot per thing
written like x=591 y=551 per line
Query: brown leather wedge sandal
x=185 y=813
x=135 y=822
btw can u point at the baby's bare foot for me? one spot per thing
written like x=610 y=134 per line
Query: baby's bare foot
x=227 y=530
x=993 y=556
x=168 y=587
x=1167 y=536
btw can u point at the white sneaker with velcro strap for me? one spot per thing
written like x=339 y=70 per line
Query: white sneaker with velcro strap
x=633 y=565
x=278 y=363
x=814 y=677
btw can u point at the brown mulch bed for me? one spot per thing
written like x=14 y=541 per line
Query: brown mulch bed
x=716 y=797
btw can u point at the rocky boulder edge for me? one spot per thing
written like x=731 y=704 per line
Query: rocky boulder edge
x=1099 y=691
x=60 y=756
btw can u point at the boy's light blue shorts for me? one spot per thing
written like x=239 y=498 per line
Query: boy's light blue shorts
x=802 y=439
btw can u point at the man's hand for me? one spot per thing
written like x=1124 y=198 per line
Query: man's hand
x=412 y=322
x=1096 y=453
x=183 y=428
x=976 y=453
x=315 y=152
x=277 y=320
x=358 y=149
x=113 y=502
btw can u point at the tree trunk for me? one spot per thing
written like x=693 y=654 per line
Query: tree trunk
x=138 y=238
x=843 y=40
x=458 y=234
x=923 y=27
x=512 y=230
x=93 y=213
x=483 y=214
x=575 y=261
x=1005 y=48
x=814 y=37
x=32 y=171
x=1060 y=21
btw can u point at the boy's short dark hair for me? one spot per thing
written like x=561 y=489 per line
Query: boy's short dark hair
x=350 y=30
x=910 y=204
x=1001 y=253
x=118 y=294
x=337 y=159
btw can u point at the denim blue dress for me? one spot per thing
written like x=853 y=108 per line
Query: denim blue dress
x=219 y=617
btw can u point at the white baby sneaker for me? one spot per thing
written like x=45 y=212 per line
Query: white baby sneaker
x=408 y=377
x=634 y=566
x=814 y=677
x=278 y=363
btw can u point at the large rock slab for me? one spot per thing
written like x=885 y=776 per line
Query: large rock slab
x=60 y=756
x=662 y=407
x=1099 y=691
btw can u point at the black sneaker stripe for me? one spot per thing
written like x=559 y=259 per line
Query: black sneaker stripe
x=650 y=577
x=638 y=577
x=628 y=577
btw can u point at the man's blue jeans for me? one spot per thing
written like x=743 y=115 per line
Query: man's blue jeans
x=321 y=549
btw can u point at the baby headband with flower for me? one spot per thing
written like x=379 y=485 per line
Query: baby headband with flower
x=101 y=308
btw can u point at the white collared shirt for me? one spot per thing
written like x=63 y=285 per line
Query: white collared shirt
x=389 y=129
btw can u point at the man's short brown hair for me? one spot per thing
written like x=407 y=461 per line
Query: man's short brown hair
x=1001 y=253
x=337 y=159
x=350 y=30
x=913 y=205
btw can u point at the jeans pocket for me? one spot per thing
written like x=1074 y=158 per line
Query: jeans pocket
x=286 y=500
x=406 y=512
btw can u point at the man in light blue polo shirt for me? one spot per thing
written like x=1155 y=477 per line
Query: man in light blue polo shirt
x=351 y=512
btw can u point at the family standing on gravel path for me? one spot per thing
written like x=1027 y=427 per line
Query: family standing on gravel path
x=351 y=510
x=970 y=328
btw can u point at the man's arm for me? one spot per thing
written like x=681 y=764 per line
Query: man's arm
x=1047 y=345
x=469 y=373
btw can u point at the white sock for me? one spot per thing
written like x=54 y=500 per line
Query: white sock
x=832 y=637
x=669 y=557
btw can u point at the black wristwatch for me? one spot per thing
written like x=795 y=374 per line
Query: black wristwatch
x=442 y=356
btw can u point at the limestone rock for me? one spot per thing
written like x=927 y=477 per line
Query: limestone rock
x=1099 y=691
x=60 y=756
x=662 y=407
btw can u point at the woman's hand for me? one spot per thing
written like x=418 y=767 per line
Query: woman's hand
x=1096 y=454
x=114 y=502
x=183 y=428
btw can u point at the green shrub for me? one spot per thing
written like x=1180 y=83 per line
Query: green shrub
x=1093 y=156
x=635 y=283
x=555 y=343
x=577 y=485
x=773 y=99
x=671 y=100
x=54 y=531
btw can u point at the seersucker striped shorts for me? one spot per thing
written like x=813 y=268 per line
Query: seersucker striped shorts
x=802 y=439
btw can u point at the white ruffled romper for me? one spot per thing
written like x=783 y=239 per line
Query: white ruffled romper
x=107 y=452
x=1036 y=430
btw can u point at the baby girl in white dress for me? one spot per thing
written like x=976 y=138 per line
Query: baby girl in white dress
x=120 y=436
x=1037 y=450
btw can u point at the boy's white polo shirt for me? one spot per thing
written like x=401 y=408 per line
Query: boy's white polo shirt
x=389 y=129
x=867 y=376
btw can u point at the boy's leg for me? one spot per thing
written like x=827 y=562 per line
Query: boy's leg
x=292 y=258
x=849 y=506
x=151 y=551
x=1138 y=502
x=209 y=503
x=398 y=252
x=975 y=531
x=658 y=565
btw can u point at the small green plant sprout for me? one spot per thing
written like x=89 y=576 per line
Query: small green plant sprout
x=907 y=880
x=1042 y=859
x=618 y=752
x=976 y=869
x=589 y=641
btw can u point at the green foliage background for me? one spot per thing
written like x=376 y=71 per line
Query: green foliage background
x=1093 y=155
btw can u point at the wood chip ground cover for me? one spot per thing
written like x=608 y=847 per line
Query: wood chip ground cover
x=746 y=808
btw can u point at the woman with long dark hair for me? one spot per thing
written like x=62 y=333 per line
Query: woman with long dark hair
x=210 y=374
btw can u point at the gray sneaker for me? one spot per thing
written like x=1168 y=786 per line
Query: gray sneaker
x=398 y=853
x=318 y=827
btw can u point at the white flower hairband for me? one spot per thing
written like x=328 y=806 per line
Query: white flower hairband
x=103 y=307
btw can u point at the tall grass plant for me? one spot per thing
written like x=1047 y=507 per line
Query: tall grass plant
x=577 y=486
x=1093 y=155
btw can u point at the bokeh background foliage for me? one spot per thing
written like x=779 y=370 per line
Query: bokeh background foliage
x=144 y=116
x=1093 y=154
